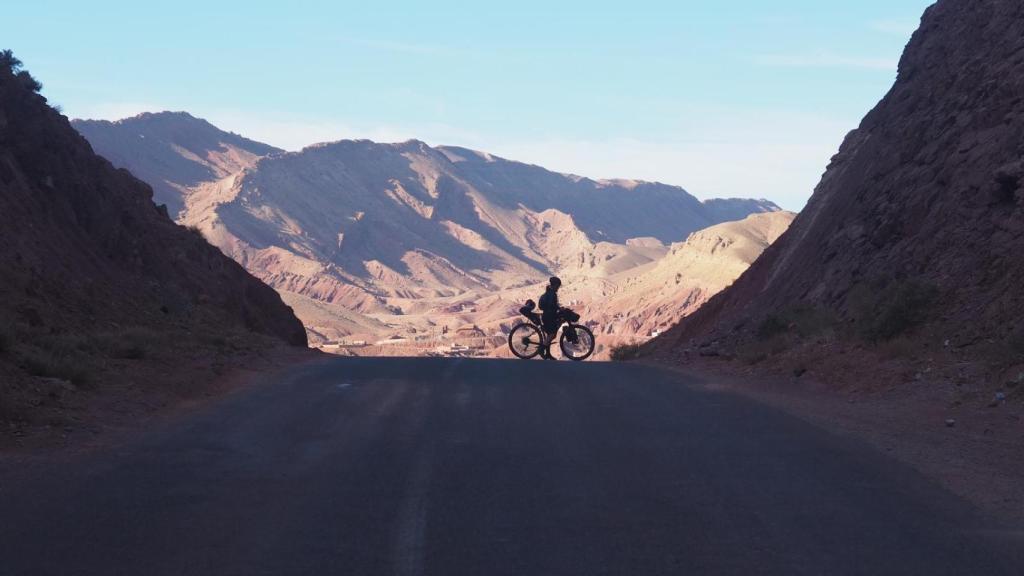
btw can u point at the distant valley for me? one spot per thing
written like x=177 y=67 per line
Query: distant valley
x=406 y=248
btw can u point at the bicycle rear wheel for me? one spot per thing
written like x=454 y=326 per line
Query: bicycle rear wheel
x=525 y=341
x=582 y=348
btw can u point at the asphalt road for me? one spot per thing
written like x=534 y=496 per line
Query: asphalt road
x=448 y=467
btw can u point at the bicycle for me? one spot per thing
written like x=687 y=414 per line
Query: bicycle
x=527 y=339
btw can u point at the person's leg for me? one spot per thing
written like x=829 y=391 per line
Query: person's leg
x=550 y=329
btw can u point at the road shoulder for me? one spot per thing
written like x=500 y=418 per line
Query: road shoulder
x=977 y=456
x=68 y=420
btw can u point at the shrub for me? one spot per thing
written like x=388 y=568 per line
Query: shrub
x=625 y=352
x=7 y=337
x=772 y=326
x=133 y=343
x=13 y=66
x=757 y=351
x=215 y=340
x=1015 y=344
x=900 y=307
x=805 y=321
x=130 y=351
x=29 y=82
x=897 y=347
x=50 y=365
x=58 y=343
x=7 y=60
x=1007 y=183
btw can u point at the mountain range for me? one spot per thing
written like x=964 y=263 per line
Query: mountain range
x=368 y=240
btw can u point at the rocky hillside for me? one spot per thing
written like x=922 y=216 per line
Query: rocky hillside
x=172 y=151
x=368 y=239
x=94 y=274
x=917 y=228
x=650 y=299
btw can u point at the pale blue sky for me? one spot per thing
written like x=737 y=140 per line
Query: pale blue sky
x=740 y=98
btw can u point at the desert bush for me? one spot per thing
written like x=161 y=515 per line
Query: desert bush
x=625 y=352
x=1015 y=344
x=215 y=340
x=130 y=351
x=13 y=66
x=757 y=351
x=57 y=343
x=772 y=326
x=804 y=321
x=6 y=339
x=47 y=364
x=1008 y=183
x=899 y=307
x=136 y=343
x=897 y=347
x=132 y=343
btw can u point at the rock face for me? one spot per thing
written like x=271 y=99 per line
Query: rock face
x=367 y=240
x=82 y=245
x=918 y=220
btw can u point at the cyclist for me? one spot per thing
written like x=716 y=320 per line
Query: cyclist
x=551 y=315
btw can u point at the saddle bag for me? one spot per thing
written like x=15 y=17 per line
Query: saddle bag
x=528 y=311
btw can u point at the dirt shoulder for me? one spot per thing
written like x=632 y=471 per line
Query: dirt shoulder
x=54 y=416
x=968 y=443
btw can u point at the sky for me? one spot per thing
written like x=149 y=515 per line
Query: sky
x=743 y=98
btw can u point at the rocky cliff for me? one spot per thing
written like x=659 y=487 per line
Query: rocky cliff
x=91 y=264
x=917 y=228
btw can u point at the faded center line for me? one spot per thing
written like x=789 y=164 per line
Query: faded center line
x=412 y=519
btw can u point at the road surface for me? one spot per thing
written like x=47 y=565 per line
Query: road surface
x=447 y=467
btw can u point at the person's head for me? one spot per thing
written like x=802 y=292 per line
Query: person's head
x=555 y=283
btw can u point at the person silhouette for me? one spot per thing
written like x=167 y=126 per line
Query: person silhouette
x=551 y=315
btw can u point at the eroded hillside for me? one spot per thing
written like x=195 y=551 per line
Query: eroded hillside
x=97 y=278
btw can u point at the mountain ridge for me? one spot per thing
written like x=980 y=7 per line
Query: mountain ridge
x=201 y=151
x=383 y=229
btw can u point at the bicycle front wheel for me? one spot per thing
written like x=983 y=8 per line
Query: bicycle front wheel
x=580 y=347
x=525 y=341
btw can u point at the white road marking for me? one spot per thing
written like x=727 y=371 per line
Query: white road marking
x=412 y=520
x=343 y=386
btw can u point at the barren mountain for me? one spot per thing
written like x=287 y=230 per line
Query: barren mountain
x=917 y=228
x=367 y=240
x=94 y=274
x=172 y=151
